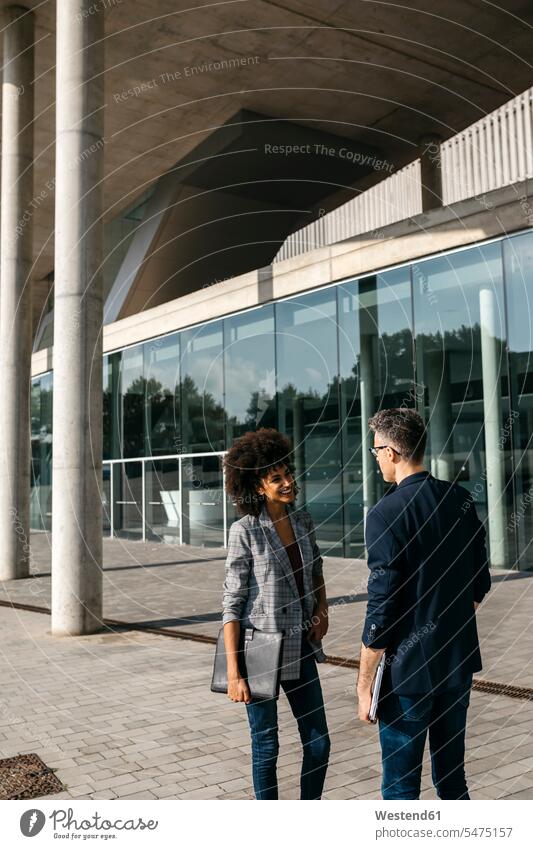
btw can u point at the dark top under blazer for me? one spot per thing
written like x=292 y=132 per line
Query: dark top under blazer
x=428 y=564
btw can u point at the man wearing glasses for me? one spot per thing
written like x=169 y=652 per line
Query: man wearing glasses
x=428 y=573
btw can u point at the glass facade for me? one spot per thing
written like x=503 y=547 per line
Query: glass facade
x=449 y=335
x=41 y=453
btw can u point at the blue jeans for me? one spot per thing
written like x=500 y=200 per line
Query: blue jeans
x=305 y=698
x=404 y=722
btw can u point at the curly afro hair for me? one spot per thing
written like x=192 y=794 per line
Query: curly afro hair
x=248 y=460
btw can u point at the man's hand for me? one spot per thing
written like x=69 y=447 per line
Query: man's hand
x=368 y=663
x=364 y=699
x=319 y=628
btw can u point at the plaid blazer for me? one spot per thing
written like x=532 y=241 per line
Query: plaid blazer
x=259 y=588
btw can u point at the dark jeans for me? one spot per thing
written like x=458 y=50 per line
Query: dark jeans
x=404 y=722
x=305 y=698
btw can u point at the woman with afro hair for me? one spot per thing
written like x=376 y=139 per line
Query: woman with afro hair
x=274 y=582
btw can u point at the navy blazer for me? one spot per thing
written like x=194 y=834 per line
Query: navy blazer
x=428 y=564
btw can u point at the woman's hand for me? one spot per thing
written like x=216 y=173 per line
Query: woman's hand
x=319 y=628
x=238 y=690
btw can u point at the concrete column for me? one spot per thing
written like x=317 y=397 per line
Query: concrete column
x=491 y=355
x=15 y=291
x=77 y=455
x=431 y=171
x=440 y=414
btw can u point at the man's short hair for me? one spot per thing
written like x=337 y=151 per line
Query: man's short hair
x=405 y=429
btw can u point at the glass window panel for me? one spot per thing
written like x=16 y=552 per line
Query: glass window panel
x=106 y=408
x=518 y=259
x=308 y=410
x=390 y=296
x=202 y=390
x=163 y=501
x=106 y=499
x=202 y=501
x=133 y=395
x=112 y=407
x=127 y=500
x=250 y=372
x=41 y=453
x=161 y=369
x=350 y=418
x=376 y=368
x=462 y=378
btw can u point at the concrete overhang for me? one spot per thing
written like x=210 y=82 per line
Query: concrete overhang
x=381 y=74
x=226 y=207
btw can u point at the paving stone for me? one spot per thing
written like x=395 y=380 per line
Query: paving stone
x=222 y=777
x=113 y=781
x=135 y=787
x=102 y=794
x=192 y=784
x=511 y=770
x=170 y=791
x=203 y=793
x=235 y=784
x=192 y=763
x=80 y=791
x=521 y=794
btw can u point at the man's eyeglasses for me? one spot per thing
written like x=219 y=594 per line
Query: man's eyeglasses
x=374 y=451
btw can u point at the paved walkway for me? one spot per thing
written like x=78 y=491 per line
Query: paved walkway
x=130 y=715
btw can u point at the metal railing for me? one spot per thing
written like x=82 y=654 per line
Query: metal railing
x=494 y=152
x=109 y=506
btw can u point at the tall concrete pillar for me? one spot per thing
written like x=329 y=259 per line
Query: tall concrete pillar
x=491 y=356
x=78 y=314
x=440 y=414
x=15 y=291
x=430 y=171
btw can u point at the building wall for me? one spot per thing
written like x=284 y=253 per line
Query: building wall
x=449 y=335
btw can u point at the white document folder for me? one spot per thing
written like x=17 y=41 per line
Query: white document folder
x=375 y=689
